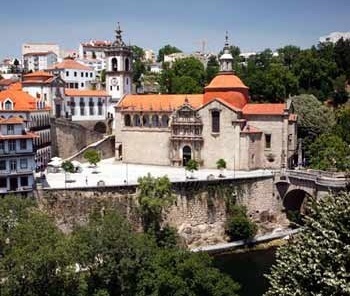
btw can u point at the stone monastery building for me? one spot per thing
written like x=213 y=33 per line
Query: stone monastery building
x=220 y=123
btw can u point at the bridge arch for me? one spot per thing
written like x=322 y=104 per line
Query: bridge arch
x=294 y=203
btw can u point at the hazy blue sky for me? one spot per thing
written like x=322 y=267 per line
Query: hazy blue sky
x=252 y=24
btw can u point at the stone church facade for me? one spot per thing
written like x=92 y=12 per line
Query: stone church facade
x=220 y=123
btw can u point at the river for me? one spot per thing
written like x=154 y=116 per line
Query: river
x=248 y=269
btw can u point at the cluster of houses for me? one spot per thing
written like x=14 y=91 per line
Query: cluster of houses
x=218 y=123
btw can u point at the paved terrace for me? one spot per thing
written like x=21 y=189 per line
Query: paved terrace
x=114 y=173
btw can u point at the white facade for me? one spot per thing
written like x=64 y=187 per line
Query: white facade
x=93 y=49
x=39 y=61
x=79 y=79
x=16 y=158
x=97 y=64
x=40 y=47
x=334 y=37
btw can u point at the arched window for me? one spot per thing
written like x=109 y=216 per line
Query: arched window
x=137 y=120
x=127 y=64
x=165 y=120
x=145 y=120
x=114 y=64
x=155 y=120
x=215 y=121
x=127 y=120
x=8 y=105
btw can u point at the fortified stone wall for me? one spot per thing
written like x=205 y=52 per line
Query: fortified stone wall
x=70 y=137
x=198 y=212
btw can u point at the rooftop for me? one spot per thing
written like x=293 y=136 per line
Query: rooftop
x=70 y=64
x=85 y=93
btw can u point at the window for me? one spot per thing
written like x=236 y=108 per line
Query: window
x=10 y=129
x=127 y=120
x=99 y=106
x=3 y=183
x=2 y=145
x=114 y=64
x=13 y=165
x=267 y=141
x=117 y=87
x=12 y=145
x=127 y=81
x=82 y=106
x=86 y=74
x=76 y=85
x=67 y=73
x=82 y=74
x=75 y=74
x=8 y=105
x=24 y=181
x=2 y=165
x=23 y=163
x=91 y=106
x=91 y=75
x=23 y=144
x=111 y=87
x=72 y=106
x=215 y=121
x=82 y=84
x=127 y=64
x=45 y=97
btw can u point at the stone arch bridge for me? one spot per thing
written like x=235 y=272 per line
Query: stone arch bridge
x=295 y=186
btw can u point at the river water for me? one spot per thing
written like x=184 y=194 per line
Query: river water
x=248 y=269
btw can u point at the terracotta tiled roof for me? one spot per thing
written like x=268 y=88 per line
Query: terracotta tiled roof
x=226 y=81
x=22 y=100
x=264 y=109
x=15 y=86
x=69 y=92
x=70 y=64
x=293 y=117
x=159 y=102
x=11 y=120
x=38 y=74
x=248 y=129
x=7 y=82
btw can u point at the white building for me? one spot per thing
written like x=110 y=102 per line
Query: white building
x=93 y=49
x=36 y=61
x=334 y=37
x=75 y=74
x=35 y=114
x=97 y=64
x=82 y=105
x=40 y=47
x=48 y=88
x=149 y=56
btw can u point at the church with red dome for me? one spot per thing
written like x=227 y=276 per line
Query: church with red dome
x=220 y=123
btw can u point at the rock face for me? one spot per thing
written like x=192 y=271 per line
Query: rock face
x=198 y=212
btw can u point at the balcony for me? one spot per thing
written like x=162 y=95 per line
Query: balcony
x=8 y=172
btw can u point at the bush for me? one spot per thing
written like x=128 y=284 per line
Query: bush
x=238 y=225
x=92 y=156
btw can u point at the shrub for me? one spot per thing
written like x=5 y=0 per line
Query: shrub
x=92 y=156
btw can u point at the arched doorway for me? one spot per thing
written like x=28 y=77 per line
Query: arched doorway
x=100 y=127
x=294 y=204
x=186 y=155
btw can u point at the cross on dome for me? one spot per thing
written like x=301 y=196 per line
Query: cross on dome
x=118 y=37
x=226 y=60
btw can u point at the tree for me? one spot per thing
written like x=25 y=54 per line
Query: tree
x=221 y=165
x=67 y=166
x=340 y=94
x=191 y=166
x=174 y=272
x=342 y=127
x=38 y=261
x=166 y=50
x=92 y=156
x=212 y=69
x=238 y=225
x=103 y=76
x=329 y=152
x=316 y=260
x=139 y=66
x=155 y=195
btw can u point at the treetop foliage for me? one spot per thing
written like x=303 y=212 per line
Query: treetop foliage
x=317 y=260
x=92 y=156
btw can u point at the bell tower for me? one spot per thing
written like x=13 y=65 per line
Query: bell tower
x=118 y=67
x=226 y=60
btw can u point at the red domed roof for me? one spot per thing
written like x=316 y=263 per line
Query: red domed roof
x=227 y=81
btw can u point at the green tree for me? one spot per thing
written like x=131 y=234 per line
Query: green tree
x=92 y=156
x=340 y=94
x=185 y=85
x=67 y=166
x=38 y=261
x=342 y=56
x=342 y=127
x=212 y=69
x=238 y=225
x=289 y=54
x=154 y=196
x=221 y=165
x=192 y=165
x=173 y=272
x=316 y=261
x=139 y=66
x=166 y=50
x=103 y=76
x=329 y=152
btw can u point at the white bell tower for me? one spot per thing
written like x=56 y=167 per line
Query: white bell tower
x=118 y=68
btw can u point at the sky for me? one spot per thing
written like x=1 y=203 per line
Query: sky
x=253 y=25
